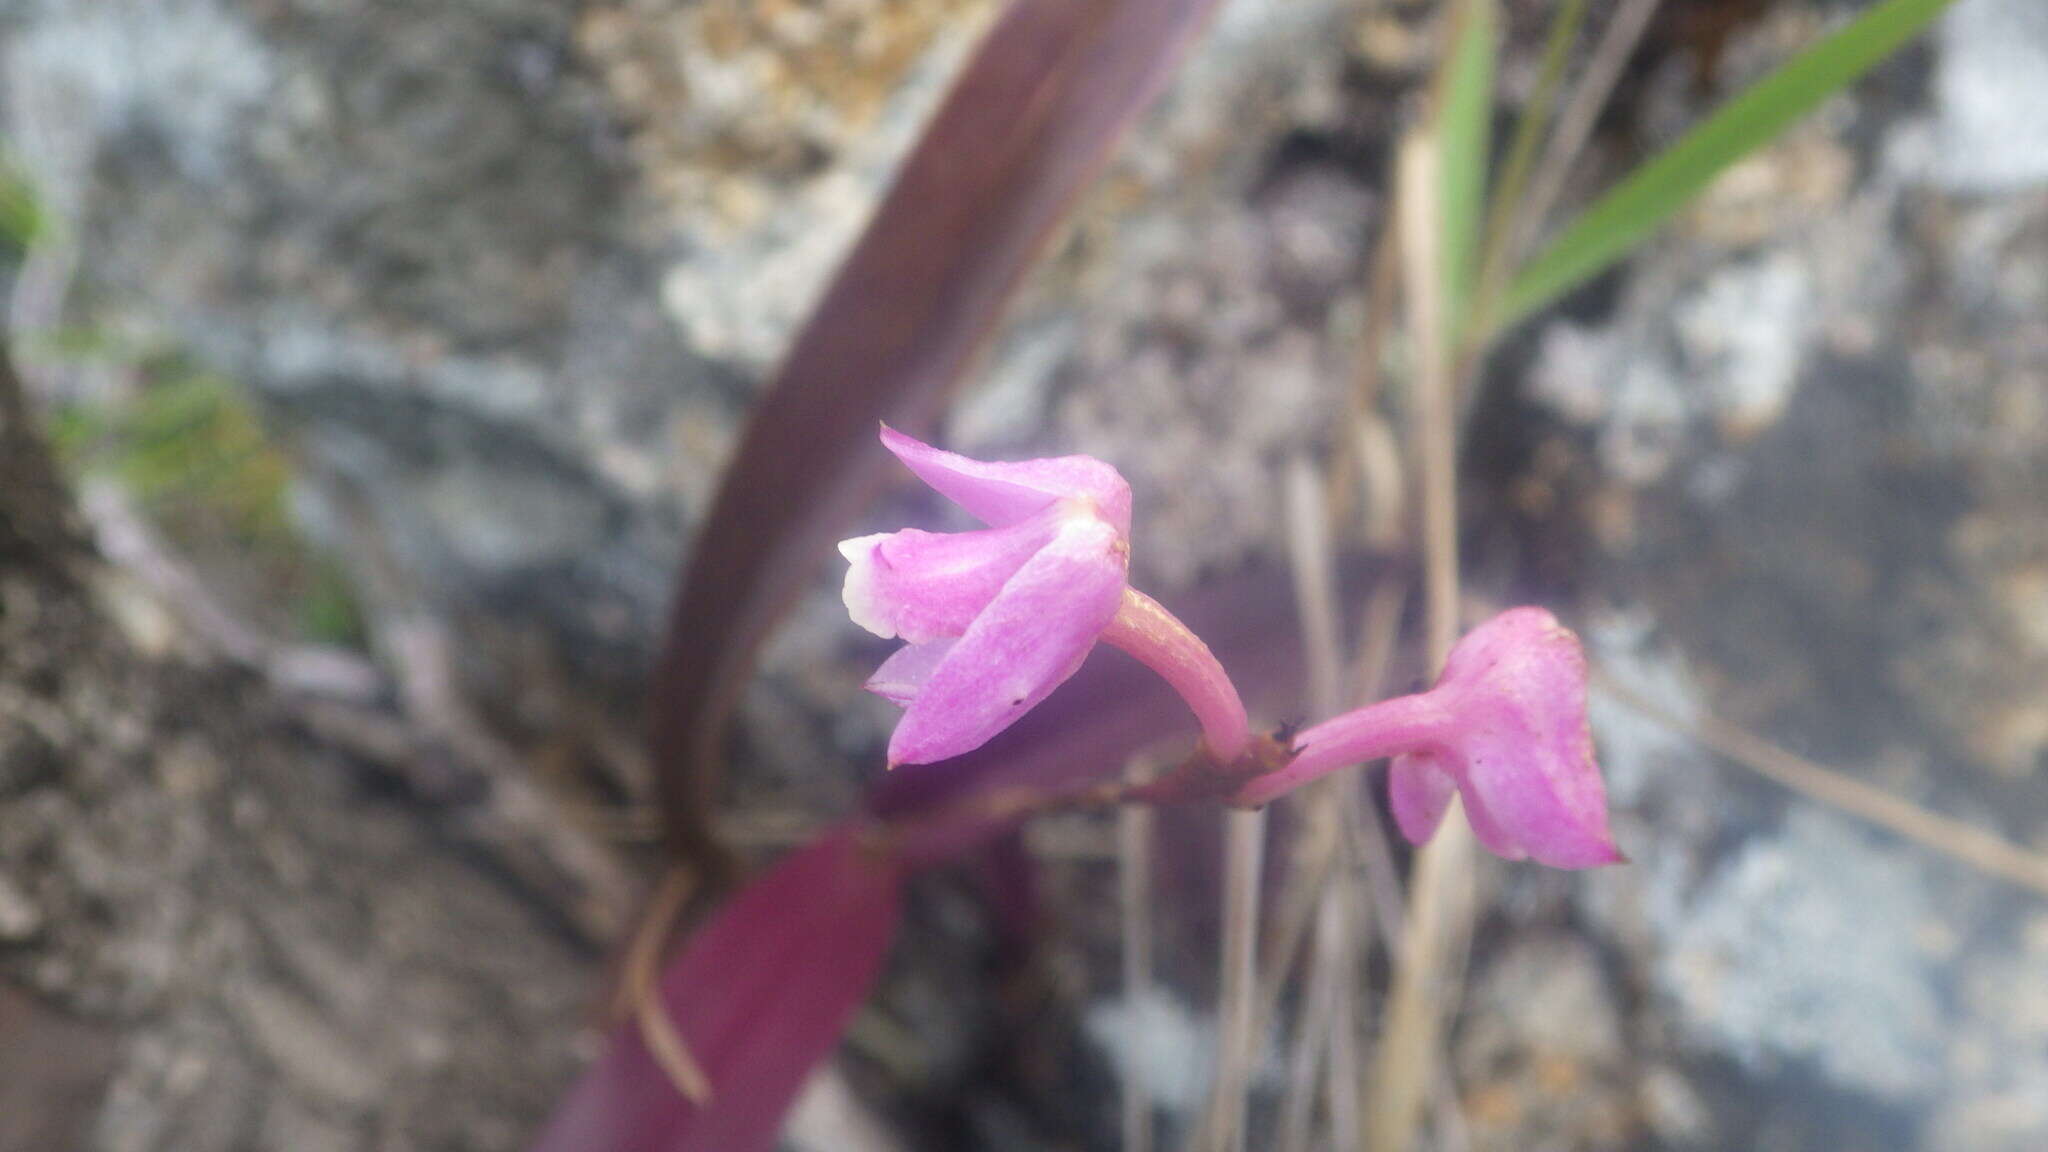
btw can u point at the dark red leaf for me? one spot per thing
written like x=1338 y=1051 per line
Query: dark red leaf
x=760 y=996
x=1029 y=121
x=761 y=993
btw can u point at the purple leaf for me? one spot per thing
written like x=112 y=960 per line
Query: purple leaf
x=759 y=995
x=1029 y=122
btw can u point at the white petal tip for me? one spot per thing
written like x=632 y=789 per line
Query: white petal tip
x=859 y=591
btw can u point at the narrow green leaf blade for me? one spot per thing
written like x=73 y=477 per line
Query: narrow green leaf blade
x=1647 y=197
x=21 y=214
x=1467 y=137
x=1504 y=207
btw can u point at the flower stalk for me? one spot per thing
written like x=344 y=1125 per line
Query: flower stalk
x=1162 y=643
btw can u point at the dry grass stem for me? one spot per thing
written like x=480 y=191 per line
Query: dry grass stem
x=1381 y=482
x=1359 y=457
x=754 y=830
x=1367 y=837
x=1311 y=1047
x=1504 y=212
x=1134 y=889
x=643 y=995
x=1343 y=947
x=1324 y=1029
x=1308 y=878
x=1244 y=836
x=1245 y=1001
x=1313 y=564
x=1575 y=124
x=1968 y=843
x=1439 y=910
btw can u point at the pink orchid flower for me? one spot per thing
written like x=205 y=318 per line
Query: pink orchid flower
x=994 y=620
x=1505 y=726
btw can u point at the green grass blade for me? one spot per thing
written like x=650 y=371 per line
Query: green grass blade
x=1503 y=213
x=21 y=216
x=1466 y=132
x=1650 y=195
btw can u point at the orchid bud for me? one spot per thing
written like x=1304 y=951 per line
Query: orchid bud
x=1505 y=728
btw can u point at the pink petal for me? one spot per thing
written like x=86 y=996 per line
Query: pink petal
x=760 y=996
x=902 y=676
x=1525 y=752
x=1543 y=802
x=1515 y=633
x=1003 y=493
x=1032 y=636
x=925 y=586
x=1419 y=791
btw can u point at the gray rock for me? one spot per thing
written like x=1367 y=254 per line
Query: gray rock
x=1990 y=93
x=20 y=919
x=1542 y=995
x=1744 y=338
x=1539 y=1054
x=305 y=1048
x=1674 y=1111
x=260 y=932
x=2012 y=1118
x=409 y=228
x=1158 y=1042
x=1804 y=947
x=1998 y=1061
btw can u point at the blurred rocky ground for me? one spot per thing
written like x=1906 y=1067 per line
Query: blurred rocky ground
x=218 y=929
x=502 y=278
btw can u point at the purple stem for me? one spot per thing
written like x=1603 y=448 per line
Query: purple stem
x=1165 y=645
x=1388 y=728
x=926 y=840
